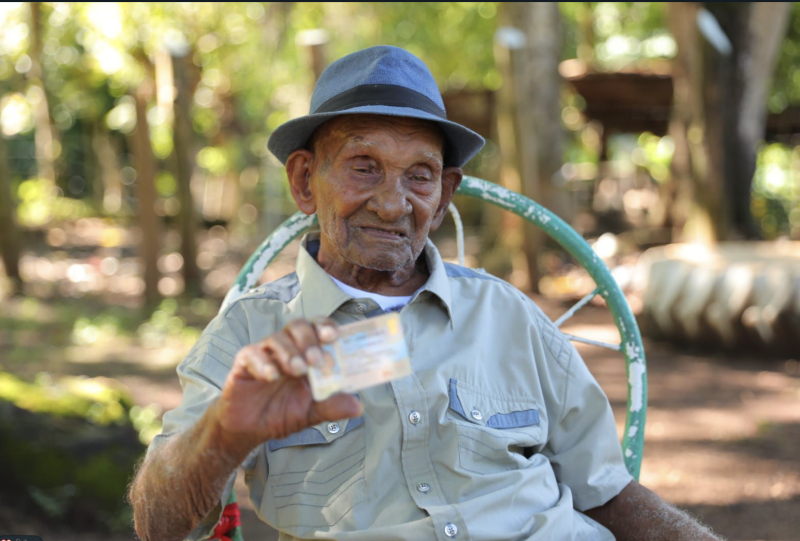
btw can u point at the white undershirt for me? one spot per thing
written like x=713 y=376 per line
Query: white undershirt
x=386 y=303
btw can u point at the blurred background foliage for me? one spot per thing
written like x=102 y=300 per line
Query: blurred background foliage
x=249 y=72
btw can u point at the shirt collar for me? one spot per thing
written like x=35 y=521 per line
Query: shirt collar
x=320 y=296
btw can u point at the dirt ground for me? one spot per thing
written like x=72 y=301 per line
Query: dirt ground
x=722 y=432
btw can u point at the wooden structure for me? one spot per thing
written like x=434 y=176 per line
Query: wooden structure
x=626 y=102
x=474 y=109
x=635 y=102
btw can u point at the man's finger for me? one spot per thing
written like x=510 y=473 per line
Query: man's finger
x=286 y=355
x=327 y=329
x=305 y=338
x=255 y=362
x=303 y=334
x=339 y=406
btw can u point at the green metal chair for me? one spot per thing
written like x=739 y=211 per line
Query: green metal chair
x=631 y=346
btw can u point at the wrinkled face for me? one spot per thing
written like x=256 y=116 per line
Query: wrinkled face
x=377 y=184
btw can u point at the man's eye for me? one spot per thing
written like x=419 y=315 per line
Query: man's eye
x=420 y=178
x=363 y=169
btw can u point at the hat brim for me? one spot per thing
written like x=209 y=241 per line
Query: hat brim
x=462 y=143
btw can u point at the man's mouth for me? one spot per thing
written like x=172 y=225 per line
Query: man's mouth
x=384 y=233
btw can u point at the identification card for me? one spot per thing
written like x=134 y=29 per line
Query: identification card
x=366 y=353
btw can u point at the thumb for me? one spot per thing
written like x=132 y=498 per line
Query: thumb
x=339 y=406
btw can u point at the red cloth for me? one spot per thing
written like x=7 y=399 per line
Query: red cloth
x=230 y=519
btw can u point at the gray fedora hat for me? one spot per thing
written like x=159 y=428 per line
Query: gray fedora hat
x=381 y=80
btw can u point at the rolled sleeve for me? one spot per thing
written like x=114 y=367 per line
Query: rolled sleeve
x=202 y=374
x=583 y=447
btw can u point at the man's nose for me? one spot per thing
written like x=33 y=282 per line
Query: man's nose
x=389 y=201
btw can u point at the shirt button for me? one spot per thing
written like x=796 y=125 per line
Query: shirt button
x=450 y=529
x=333 y=428
x=423 y=487
x=414 y=417
x=361 y=308
x=477 y=415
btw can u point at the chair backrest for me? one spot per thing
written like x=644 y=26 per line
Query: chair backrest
x=631 y=346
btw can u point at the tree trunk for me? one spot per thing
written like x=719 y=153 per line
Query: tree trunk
x=541 y=129
x=502 y=241
x=586 y=41
x=720 y=100
x=9 y=232
x=274 y=202
x=146 y=193
x=316 y=58
x=731 y=159
x=689 y=212
x=45 y=137
x=184 y=160
x=109 y=168
x=536 y=113
x=765 y=29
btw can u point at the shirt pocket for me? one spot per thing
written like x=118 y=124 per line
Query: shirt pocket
x=495 y=433
x=316 y=476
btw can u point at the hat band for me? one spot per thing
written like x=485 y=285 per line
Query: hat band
x=391 y=95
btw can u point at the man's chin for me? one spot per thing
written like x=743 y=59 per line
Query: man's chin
x=380 y=259
x=380 y=254
x=380 y=264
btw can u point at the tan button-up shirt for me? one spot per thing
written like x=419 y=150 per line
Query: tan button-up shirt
x=500 y=433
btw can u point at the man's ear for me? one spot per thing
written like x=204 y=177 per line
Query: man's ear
x=451 y=179
x=298 y=170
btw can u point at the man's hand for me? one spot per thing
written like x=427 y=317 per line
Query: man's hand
x=638 y=514
x=267 y=394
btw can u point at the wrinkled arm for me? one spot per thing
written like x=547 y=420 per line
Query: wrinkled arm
x=638 y=514
x=182 y=481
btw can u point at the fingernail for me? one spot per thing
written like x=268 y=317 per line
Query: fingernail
x=327 y=333
x=269 y=372
x=298 y=366
x=314 y=356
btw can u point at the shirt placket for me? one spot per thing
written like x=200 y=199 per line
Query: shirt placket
x=418 y=471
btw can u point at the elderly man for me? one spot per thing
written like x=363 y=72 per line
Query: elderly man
x=500 y=433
